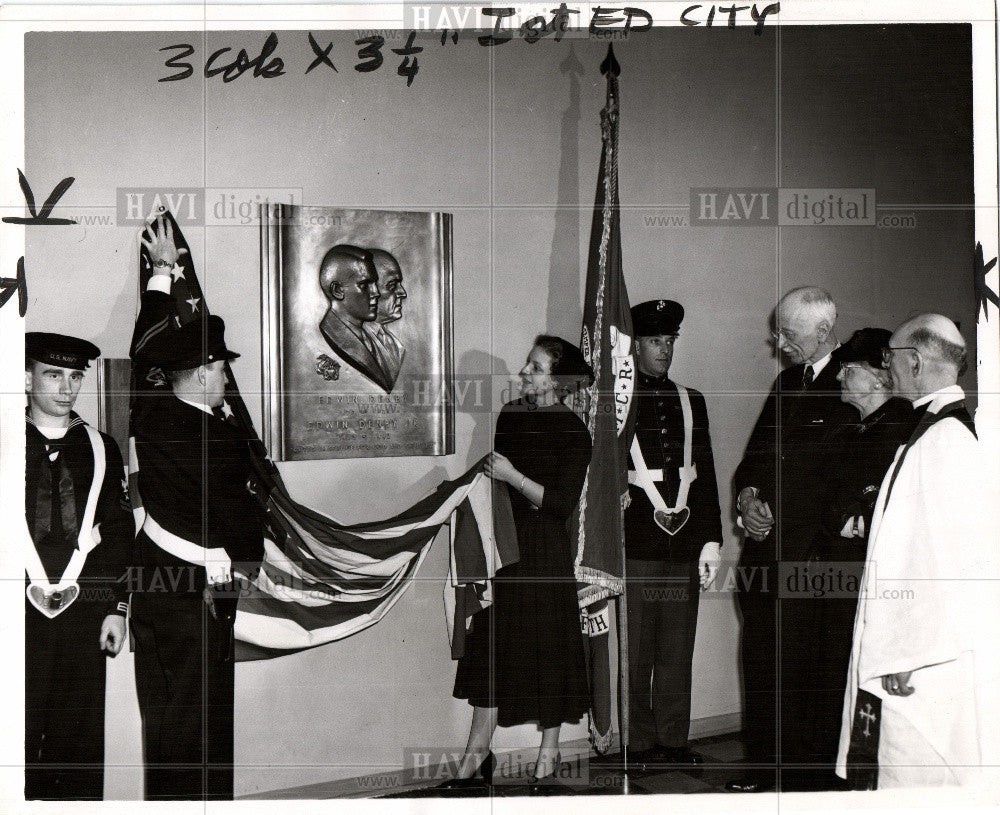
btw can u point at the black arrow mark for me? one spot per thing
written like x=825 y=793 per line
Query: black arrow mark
x=41 y=218
x=8 y=285
x=984 y=293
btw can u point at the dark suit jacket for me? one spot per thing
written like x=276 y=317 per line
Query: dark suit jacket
x=660 y=430
x=787 y=458
x=353 y=351
x=193 y=476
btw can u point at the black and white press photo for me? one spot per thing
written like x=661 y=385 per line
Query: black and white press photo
x=435 y=402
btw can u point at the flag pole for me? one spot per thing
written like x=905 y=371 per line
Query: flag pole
x=621 y=615
x=611 y=70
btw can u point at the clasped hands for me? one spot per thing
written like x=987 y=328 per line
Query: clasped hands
x=757 y=518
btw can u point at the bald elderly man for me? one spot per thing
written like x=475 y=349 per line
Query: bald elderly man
x=779 y=484
x=349 y=280
x=920 y=707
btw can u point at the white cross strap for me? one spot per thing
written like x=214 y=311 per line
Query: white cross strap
x=51 y=600
x=670 y=519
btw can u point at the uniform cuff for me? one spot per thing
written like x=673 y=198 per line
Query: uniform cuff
x=160 y=283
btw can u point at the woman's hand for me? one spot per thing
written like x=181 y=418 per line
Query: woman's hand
x=499 y=468
x=162 y=249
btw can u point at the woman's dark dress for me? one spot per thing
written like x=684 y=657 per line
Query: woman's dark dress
x=537 y=664
x=863 y=453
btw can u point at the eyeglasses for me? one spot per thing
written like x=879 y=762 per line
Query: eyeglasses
x=782 y=332
x=889 y=351
x=846 y=366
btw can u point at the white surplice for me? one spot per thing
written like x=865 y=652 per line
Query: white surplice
x=930 y=605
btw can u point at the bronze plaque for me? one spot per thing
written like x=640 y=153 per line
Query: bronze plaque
x=357 y=332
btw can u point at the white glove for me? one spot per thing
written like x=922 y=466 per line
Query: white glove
x=708 y=563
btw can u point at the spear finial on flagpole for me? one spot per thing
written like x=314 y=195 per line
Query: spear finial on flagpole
x=610 y=64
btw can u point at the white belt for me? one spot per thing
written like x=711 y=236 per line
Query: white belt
x=218 y=566
x=636 y=480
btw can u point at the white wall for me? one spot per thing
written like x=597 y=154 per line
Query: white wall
x=508 y=140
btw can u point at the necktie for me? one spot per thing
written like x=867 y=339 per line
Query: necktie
x=808 y=375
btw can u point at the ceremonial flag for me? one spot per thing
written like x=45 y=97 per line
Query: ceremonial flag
x=606 y=340
x=321 y=580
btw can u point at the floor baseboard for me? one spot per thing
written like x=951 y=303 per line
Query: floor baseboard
x=401 y=780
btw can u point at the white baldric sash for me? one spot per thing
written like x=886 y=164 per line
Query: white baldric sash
x=669 y=519
x=51 y=599
x=217 y=564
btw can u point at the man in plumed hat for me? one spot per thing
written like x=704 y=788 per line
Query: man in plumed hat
x=673 y=534
x=77 y=552
x=201 y=525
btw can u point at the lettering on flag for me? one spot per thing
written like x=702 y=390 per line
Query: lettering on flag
x=623 y=370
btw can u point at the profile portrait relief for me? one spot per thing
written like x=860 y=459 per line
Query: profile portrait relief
x=348 y=278
x=389 y=349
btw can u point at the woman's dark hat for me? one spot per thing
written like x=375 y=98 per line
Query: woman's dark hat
x=657 y=317
x=865 y=345
x=195 y=343
x=60 y=350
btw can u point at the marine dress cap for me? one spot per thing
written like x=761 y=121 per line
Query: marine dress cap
x=656 y=317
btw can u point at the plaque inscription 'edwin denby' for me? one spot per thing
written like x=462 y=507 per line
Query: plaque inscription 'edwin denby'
x=356 y=332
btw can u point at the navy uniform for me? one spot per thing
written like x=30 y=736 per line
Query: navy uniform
x=662 y=570
x=201 y=524
x=67 y=511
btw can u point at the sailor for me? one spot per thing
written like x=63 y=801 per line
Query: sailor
x=673 y=534
x=77 y=545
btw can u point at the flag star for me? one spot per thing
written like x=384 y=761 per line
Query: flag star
x=177 y=273
x=193 y=302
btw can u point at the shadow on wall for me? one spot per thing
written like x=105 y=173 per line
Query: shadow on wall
x=563 y=315
x=481 y=387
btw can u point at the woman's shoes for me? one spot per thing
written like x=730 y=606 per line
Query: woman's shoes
x=482 y=778
x=546 y=785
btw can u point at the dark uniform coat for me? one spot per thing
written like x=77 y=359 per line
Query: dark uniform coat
x=662 y=570
x=194 y=470
x=64 y=667
x=659 y=426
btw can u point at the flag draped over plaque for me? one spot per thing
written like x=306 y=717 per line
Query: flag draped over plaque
x=321 y=580
x=606 y=340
